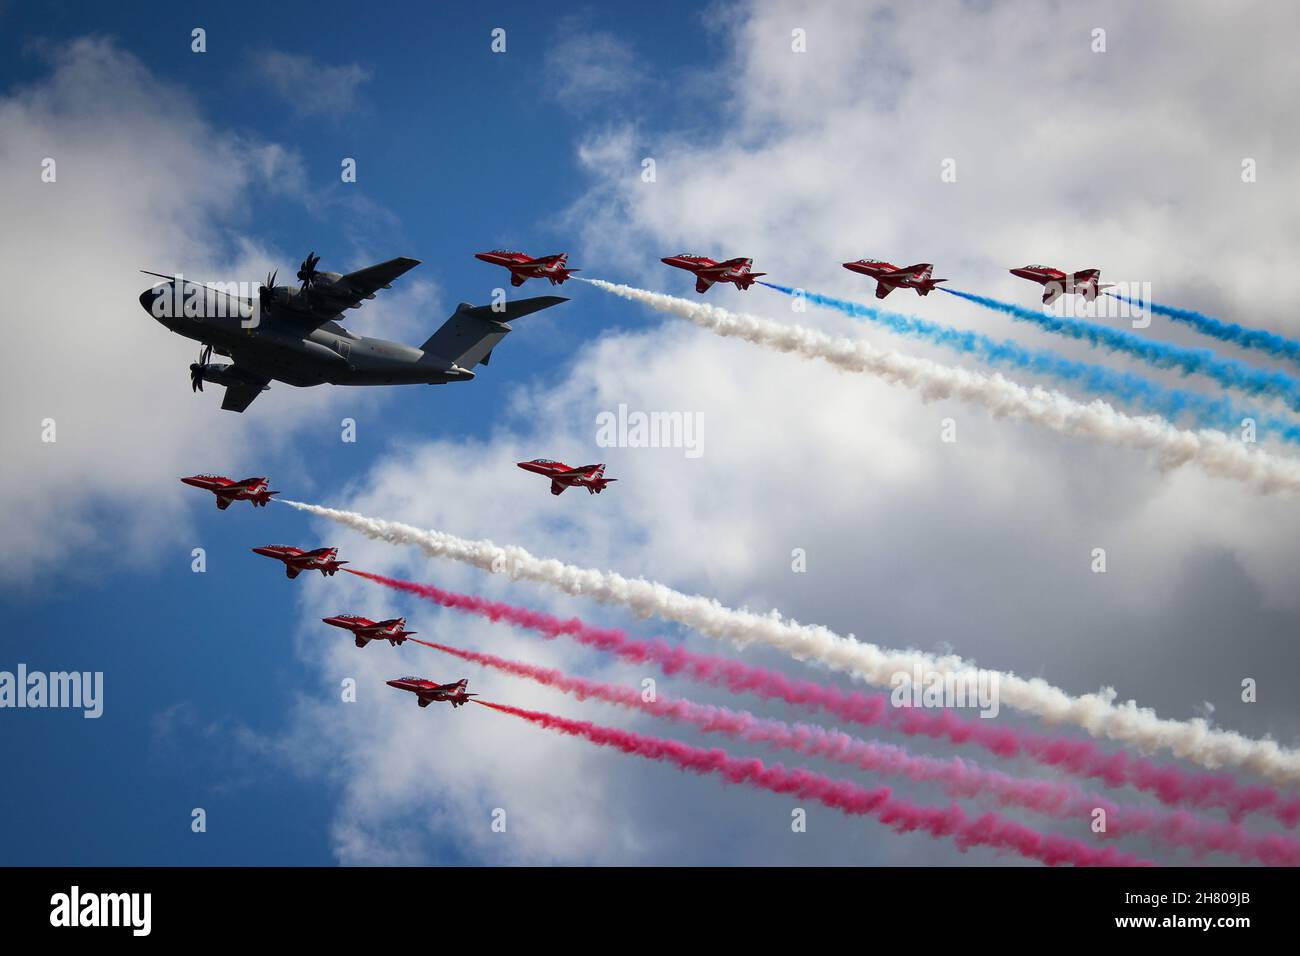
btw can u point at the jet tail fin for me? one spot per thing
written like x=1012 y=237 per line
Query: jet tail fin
x=473 y=331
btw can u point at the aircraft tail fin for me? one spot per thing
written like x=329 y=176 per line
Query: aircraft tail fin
x=473 y=331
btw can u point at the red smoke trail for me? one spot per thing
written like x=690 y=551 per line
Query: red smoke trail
x=1171 y=785
x=959 y=778
x=903 y=816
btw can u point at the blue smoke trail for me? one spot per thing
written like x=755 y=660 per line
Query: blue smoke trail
x=1098 y=379
x=1278 y=346
x=1227 y=371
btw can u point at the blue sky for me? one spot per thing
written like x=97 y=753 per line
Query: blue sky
x=220 y=686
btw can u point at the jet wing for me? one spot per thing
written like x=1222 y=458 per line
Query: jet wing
x=366 y=282
x=915 y=270
x=557 y=487
x=239 y=397
x=702 y=283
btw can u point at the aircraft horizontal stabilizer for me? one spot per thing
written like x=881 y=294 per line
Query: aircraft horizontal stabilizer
x=473 y=331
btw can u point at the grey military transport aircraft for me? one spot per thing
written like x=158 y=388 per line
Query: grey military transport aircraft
x=294 y=335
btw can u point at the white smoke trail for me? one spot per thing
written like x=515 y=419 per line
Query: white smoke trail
x=1098 y=714
x=1215 y=452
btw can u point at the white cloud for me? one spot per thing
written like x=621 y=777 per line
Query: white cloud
x=588 y=68
x=310 y=87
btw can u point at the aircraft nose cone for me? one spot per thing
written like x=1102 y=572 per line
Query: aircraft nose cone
x=157 y=301
x=667 y=260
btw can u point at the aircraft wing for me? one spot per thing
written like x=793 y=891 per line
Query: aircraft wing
x=366 y=282
x=239 y=397
x=327 y=303
x=915 y=270
x=557 y=487
x=702 y=283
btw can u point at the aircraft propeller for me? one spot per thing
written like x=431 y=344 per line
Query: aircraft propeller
x=308 y=271
x=265 y=289
x=196 y=369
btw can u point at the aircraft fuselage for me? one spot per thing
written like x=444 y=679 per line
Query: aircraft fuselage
x=296 y=354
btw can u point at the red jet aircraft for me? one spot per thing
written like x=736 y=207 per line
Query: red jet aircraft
x=591 y=477
x=1055 y=282
x=708 y=271
x=365 y=630
x=427 y=691
x=296 y=560
x=523 y=267
x=228 y=490
x=890 y=277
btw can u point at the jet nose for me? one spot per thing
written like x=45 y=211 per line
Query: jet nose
x=668 y=260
